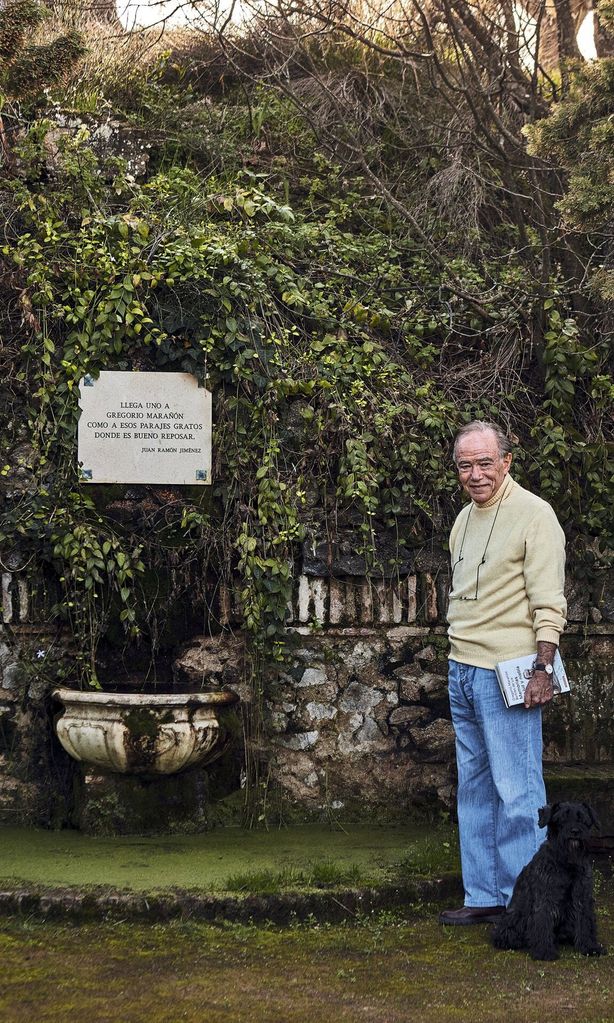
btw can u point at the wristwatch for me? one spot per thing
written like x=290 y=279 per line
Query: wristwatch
x=544 y=667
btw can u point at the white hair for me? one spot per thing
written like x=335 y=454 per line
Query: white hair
x=504 y=444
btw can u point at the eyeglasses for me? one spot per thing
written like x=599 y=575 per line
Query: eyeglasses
x=477 y=578
x=483 y=464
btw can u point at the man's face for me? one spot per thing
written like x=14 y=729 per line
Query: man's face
x=481 y=469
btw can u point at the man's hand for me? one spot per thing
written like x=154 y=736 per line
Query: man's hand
x=539 y=690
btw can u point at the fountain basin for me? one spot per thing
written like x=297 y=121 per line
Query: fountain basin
x=138 y=733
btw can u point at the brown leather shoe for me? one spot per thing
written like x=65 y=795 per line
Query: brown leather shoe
x=471 y=915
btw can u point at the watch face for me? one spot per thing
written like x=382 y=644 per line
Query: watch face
x=549 y=669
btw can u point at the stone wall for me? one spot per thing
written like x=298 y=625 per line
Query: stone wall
x=356 y=720
x=358 y=717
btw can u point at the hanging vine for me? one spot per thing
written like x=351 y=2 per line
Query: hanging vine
x=340 y=366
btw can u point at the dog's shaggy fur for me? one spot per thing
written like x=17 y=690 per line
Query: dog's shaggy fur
x=552 y=899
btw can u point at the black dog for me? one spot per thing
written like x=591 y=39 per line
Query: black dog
x=553 y=897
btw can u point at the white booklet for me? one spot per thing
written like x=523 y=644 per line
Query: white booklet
x=514 y=676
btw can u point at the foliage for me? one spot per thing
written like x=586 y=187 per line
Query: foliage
x=579 y=136
x=351 y=297
x=267 y=304
x=26 y=69
x=319 y=329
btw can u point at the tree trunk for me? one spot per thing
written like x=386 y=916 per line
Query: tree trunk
x=603 y=33
x=566 y=30
x=558 y=28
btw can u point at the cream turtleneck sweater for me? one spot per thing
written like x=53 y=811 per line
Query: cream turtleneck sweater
x=520 y=588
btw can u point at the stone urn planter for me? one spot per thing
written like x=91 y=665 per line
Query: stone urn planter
x=136 y=733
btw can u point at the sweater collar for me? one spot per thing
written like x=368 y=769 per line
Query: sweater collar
x=502 y=494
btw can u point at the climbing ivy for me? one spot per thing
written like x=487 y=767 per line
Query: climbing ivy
x=340 y=361
x=321 y=337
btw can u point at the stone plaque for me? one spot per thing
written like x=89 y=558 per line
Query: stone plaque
x=144 y=428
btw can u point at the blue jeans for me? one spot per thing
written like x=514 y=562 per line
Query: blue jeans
x=500 y=784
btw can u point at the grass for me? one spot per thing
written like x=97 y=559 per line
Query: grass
x=229 y=859
x=323 y=874
x=382 y=969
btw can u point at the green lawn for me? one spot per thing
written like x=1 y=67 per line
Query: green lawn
x=228 y=858
x=378 y=970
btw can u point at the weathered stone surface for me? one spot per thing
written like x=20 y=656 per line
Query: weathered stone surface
x=312 y=598
x=360 y=733
x=313 y=677
x=358 y=697
x=432 y=560
x=300 y=740
x=321 y=711
x=434 y=742
x=337 y=601
x=577 y=597
x=601 y=648
x=446 y=794
x=351 y=778
x=299 y=776
x=8 y=667
x=410 y=690
x=409 y=678
x=335 y=733
x=211 y=662
x=408 y=715
x=278 y=721
x=362 y=598
x=21 y=479
x=360 y=656
x=11 y=678
x=7 y=654
x=417 y=685
x=428 y=653
x=368 y=730
x=339 y=558
x=18 y=800
x=107 y=137
x=409 y=672
x=400 y=634
x=603 y=595
x=346 y=744
x=433 y=687
x=430 y=596
x=412 y=599
x=113 y=804
x=309 y=653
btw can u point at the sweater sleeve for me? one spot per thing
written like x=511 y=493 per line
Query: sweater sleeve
x=544 y=574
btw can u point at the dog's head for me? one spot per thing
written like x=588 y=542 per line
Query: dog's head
x=569 y=826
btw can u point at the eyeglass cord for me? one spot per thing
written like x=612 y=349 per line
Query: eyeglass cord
x=483 y=558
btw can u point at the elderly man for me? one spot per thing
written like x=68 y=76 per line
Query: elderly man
x=508 y=559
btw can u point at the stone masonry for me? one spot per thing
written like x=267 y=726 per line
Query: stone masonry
x=356 y=720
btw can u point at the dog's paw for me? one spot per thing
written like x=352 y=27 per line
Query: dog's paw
x=593 y=950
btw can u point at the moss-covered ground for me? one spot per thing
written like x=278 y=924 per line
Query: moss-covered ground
x=381 y=970
x=229 y=859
